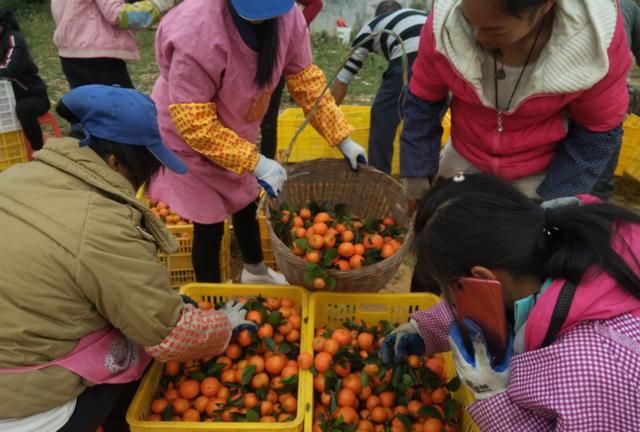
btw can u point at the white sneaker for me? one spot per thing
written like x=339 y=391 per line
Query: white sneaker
x=271 y=278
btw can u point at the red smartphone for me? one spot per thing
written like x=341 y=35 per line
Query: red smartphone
x=481 y=300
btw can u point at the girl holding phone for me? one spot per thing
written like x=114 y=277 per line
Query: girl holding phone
x=570 y=277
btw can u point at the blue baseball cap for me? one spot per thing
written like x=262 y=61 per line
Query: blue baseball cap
x=121 y=115
x=261 y=9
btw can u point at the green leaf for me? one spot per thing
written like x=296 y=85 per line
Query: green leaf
x=167 y=414
x=330 y=383
x=197 y=375
x=247 y=374
x=333 y=404
x=313 y=370
x=451 y=409
x=402 y=400
x=454 y=384
x=308 y=278
x=292 y=380
x=364 y=378
x=275 y=319
x=270 y=343
x=215 y=369
x=302 y=243
x=331 y=253
x=331 y=283
x=406 y=421
x=285 y=348
x=164 y=381
x=314 y=208
x=380 y=388
x=237 y=402
x=262 y=393
x=238 y=417
x=252 y=415
x=430 y=411
x=340 y=210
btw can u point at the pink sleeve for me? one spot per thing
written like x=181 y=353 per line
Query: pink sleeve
x=110 y=10
x=298 y=53
x=426 y=82
x=604 y=106
x=500 y=413
x=433 y=324
x=197 y=334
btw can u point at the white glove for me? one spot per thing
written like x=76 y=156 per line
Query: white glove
x=236 y=313
x=474 y=368
x=415 y=187
x=165 y=6
x=353 y=153
x=271 y=175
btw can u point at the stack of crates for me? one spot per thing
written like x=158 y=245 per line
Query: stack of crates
x=12 y=146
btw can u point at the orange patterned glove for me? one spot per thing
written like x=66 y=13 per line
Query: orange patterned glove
x=200 y=128
x=305 y=88
x=197 y=334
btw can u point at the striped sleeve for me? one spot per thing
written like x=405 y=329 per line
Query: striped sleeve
x=355 y=62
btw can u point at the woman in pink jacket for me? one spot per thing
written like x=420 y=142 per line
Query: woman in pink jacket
x=570 y=276
x=220 y=61
x=537 y=92
x=95 y=38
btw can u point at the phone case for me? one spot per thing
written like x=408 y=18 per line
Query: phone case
x=481 y=300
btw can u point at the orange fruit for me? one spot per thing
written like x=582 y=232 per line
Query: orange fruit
x=260 y=380
x=191 y=415
x=316 y=241
x=289 y=371
x=210 y=386
x=319 y=283
x=200 y=404
x=180 y=405
x=347 y=236
x=265 y=331
x=332 y=346
x=425 y=397
x=329 y=241
x=340 y=228
x=305 y=360
x=204 y=305
x=266 y=408
x=275 y=364
x=233 y=351
x=305 y=213
x=313 y=257
x=322 y=362
x=322 y=217
x=290 y=404
x=387 y=250
x=250 y=400
x=342 y=371
x=295 y=321
x=268 y=419
x=297 y=221
x=365 y=426
x=154 y=417
x=387 y=399
x=318 y=383
x=285 y=329
x=189 y=389
x=159 y=405
x=414 y=407
x=255 y=317
x=373 y=402
x=318 y=343
x=414 y=361
x=343 y=336
x=439 y=395
x=359 y=249
x=436 y=366
x=353 y=382
x=226 y=360
x=343 y=265
x=258 y=362
x=171 y=368
x=244 y=338
x=389 y=221
x=372 y=369
x=348 y=414
x=293 y=336
x=432 y=425
x=171 y=394
x=373 y=241
x=366 y=393
x=378 y=414
x=346 y=397
x=320 y=228
x=365 y=341
x=356 y=261
x=346 y=249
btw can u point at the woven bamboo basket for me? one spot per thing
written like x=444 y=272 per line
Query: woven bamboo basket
x=368 y=193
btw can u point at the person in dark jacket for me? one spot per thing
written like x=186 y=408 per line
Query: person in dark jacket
x=17 y=65
x=631 y=15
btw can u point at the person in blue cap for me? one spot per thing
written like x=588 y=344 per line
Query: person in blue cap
x=220 y=62
x=85 y=303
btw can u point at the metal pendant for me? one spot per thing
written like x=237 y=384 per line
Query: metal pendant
x=500 y=128
x=501 y=74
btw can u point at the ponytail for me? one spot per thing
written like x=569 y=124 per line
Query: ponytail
x=268 y=41
x=485 y=221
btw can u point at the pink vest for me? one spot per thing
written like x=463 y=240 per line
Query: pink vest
x=105 y=356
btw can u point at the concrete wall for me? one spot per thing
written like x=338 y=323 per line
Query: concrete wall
x=355 y=13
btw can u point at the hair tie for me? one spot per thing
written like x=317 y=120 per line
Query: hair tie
x=550 y=224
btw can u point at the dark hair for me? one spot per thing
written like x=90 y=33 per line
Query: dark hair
x=268 y=40
x=138 y=160
x=8 y=21
x=518 y=7
x=387 y=7
x=486 y=221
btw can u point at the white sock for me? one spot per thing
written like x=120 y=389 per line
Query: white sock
x=259 y=269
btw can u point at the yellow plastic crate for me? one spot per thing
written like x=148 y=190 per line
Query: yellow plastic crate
x=179 y=263
x=630 y=151
x=332 y=309
x=633 y=170
x=13 y=149
x=141 y=404
x=310 y=145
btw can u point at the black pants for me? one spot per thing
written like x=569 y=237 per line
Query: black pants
x=207 y=240
x=28 y=109
x=269 y=126
x=107 y=71
x=102 y=405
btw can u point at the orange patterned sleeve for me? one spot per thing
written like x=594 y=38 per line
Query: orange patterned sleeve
x=305 y=88
x=200 y=128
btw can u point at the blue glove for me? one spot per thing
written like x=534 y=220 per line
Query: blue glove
x=401 y=342
x=271 y=175
x=188 y=300
x=353 y=153
x=474 y=367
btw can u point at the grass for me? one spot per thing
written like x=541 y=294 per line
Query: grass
x=38 y=27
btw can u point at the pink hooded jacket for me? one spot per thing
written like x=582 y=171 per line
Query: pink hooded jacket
x=586 y=379
x=89 y=29
x=580 y=74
